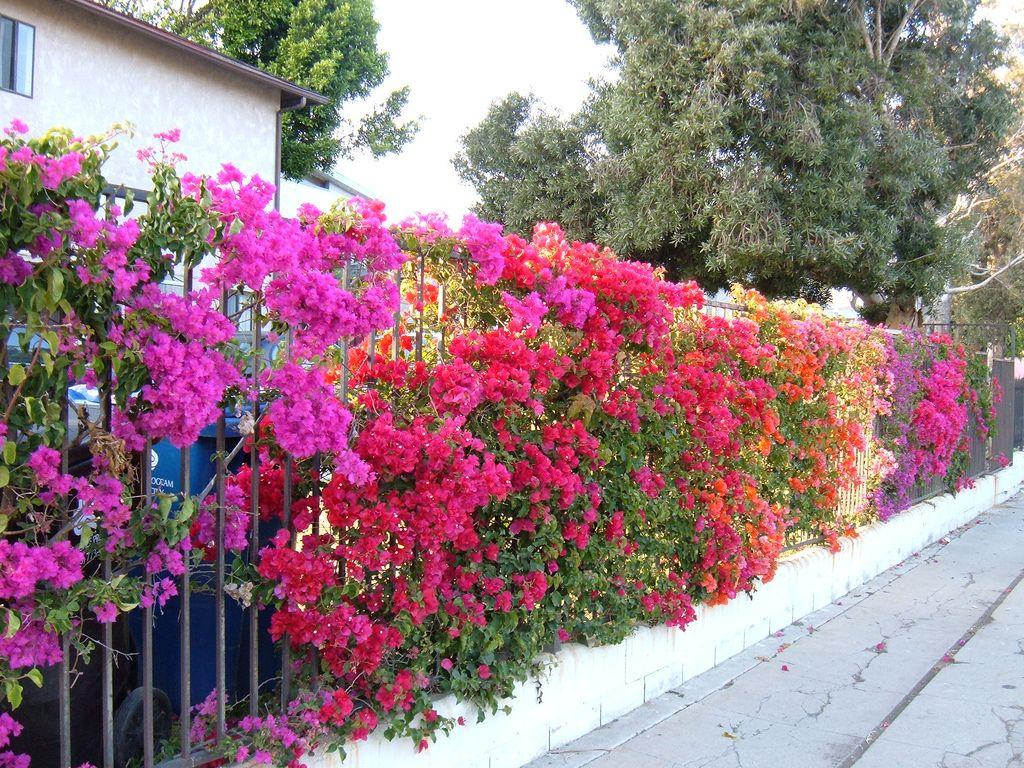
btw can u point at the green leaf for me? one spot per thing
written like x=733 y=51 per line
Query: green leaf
x=16 y=374
x=10 y=452
x=36 y=677
x=14 y=690
x=56 y=284
x=13 y=623
x=163 y=506
x=34 y=409
x=5 y=477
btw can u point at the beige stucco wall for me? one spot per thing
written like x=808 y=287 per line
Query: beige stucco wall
x=90 y=73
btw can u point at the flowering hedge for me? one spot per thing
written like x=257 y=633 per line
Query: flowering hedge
x=573 y=450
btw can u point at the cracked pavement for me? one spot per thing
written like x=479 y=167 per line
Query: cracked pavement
x=922 y=666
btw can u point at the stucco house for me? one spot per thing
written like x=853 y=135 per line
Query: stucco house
x=85 y=66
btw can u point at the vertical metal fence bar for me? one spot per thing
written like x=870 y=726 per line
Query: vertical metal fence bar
x=107 y=653
x=185 y=618
x=989 y=356
x=345 y=363
x=107 y=680
x=317 y=469
x=64 y=702
x=442 y=297
x=254 y=497
x=395 y=335
x=286 y=646
x=220 y=660
x=422 y=269
x=64 y=692
x=347 y=282
x=146 y=480
x=286 y=519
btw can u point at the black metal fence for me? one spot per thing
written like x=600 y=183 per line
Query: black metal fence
x=1018 y=414
x=1004 y=441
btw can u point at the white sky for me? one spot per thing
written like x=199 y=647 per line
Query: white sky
x=458 y=56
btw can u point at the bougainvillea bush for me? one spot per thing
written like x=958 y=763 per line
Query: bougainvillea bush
x=937 y=390
x=490 y=444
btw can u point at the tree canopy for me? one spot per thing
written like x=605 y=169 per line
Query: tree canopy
x=793 y=146
x=329 y=46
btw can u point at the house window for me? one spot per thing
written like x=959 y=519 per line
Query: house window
x=17 y=51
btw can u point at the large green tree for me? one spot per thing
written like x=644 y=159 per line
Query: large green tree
x=329 y=46
x=797 y=146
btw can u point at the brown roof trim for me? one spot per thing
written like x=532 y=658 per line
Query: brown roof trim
x=292 y=95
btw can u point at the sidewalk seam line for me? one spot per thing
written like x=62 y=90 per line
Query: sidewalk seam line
x=982 y=621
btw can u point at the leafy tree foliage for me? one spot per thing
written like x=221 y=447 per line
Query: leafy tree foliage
x=794 y=146
x=329 y=46
x=530 y=166
x=992 y=290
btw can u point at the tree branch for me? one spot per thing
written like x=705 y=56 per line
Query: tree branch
x=994 y=276
x=894 y=39
x=879 y=7
x=1013 y=158
x=862 y=21
x=964 y=210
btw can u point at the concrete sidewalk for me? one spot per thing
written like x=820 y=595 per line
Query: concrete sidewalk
x=922 y=666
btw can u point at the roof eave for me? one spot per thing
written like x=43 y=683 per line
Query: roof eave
x=292 y=96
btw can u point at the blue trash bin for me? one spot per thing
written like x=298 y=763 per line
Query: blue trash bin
x=167 y=645
x=166 y=478
x=165 y=461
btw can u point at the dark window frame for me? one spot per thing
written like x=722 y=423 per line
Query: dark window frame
x=14 y=58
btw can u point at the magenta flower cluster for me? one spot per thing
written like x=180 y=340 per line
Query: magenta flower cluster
x=298 y=264
x=923 y=431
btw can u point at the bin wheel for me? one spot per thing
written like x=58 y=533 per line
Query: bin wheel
x=128 y=725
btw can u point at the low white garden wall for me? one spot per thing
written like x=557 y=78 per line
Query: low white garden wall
x=588 y=687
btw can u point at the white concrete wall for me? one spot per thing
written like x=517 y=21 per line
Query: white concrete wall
x=588 y=687
x=90 y=74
